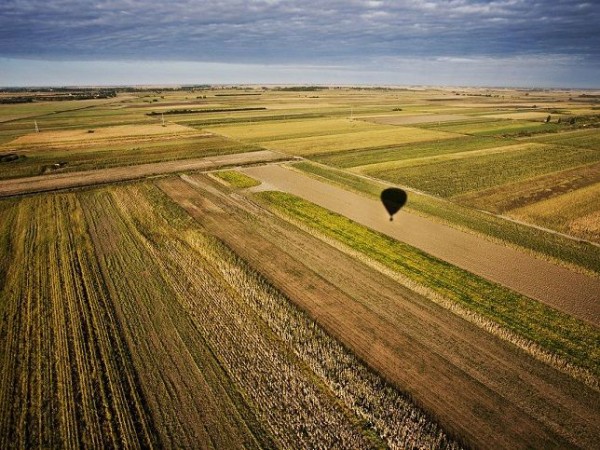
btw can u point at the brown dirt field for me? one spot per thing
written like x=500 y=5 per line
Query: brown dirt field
x=53 y=182
x=412 y=120
x=480 y=388
x=573 y=293
x=503 y=198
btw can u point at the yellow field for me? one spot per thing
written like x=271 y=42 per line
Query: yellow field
x=576 y=213
x=362 y=139
x=526 y=115
x=280 y=129
x=390 y=165
x=116 y=132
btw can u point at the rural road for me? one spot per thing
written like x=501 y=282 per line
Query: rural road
x=67 y=180
x=574 y=293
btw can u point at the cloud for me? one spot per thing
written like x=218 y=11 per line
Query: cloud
x=291 y=32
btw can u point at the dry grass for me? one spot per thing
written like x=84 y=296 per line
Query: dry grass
x=103 y=133
x=261 y=132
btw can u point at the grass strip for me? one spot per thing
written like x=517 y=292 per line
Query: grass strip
x=555 y=247
x=572 y=339
x=236 y=179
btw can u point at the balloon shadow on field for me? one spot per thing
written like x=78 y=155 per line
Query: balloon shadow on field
x=393 y=200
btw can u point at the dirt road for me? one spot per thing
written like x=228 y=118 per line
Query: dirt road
x=78 y=179
x=573 y=293
x=483 y=389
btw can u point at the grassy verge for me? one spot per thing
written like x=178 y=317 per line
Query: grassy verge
x=555 y=247
x=236 y=179
x=569 y=338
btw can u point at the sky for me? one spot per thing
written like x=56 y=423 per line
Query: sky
x=524 y=43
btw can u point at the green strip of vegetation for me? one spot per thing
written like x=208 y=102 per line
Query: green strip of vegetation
x=554 y=246
x=572 y=339
x=237 y=179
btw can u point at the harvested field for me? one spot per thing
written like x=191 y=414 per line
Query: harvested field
x=536 y=116
x=121 y=132
x=215 y=311
x=503 y=198
x=576 y=212
x=362 y=139
x=214 y=358
x=423 y=349
x=95 y=148
x=52 y=182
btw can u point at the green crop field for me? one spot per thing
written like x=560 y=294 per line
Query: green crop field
x=360 y=139
x=362 y=157
x=452 y=177
x=583 y=138
x=236 y=179
x=496 y=127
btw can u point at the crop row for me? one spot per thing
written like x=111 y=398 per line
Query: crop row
x=453 y=177
x=278 y=357
x=66 y=378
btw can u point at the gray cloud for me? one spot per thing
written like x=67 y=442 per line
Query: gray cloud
x=263 y=31
x=366 y=37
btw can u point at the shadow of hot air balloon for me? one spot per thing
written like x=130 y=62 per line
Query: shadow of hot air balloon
x=393 y=199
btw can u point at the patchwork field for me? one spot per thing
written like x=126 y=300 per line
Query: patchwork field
x=211 y=267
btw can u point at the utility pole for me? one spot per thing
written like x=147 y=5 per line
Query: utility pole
x=37 y=130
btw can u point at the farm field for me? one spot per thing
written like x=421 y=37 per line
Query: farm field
x=113 y=146
x=379 y=329
x=211 y=267
x=94 y=370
